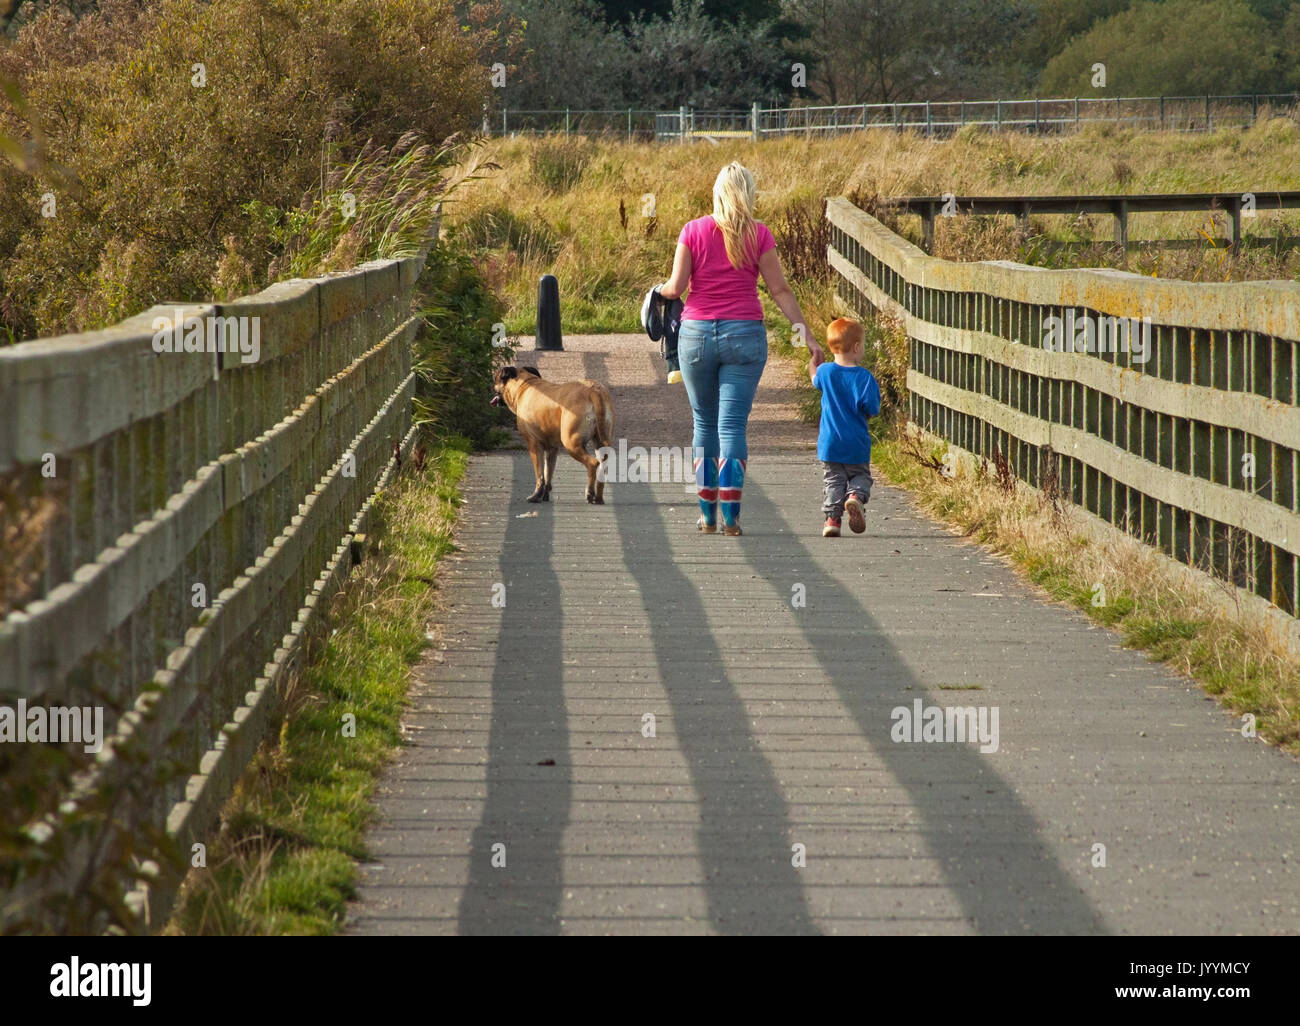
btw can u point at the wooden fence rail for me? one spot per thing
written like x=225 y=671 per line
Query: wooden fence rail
x=1166 y=408
x=1234 y=204
x=204 y=505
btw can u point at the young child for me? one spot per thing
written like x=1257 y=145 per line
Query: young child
x=850 y=395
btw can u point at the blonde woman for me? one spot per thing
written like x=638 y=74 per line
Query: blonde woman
x=722 y=346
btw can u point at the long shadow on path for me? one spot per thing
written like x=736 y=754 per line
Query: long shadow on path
x=993 y=858
x=743 y=834
x=527 y=805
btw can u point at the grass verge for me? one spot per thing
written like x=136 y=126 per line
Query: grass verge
x=285 y=860
x=1118 y=582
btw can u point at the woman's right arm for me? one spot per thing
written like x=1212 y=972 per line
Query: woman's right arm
x=681 y=275
x=769 y=265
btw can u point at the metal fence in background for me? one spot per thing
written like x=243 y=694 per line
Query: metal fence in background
x=931 y=118
x=629 y=122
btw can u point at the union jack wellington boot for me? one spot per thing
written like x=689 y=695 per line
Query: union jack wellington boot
x=706 y=485
x=731 y=482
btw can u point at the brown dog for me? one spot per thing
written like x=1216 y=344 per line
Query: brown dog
x=577 y=416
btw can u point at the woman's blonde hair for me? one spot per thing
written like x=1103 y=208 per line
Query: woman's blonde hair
x=733 y=211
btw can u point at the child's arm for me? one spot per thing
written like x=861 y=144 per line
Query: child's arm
x=870 y=405
x=814 y=363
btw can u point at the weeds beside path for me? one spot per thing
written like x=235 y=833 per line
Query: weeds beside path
x=286 y=860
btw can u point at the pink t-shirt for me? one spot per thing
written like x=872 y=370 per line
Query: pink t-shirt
x=719 y=292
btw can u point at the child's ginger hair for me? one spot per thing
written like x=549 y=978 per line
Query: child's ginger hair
x=843 y=335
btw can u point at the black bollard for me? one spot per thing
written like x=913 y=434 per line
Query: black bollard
x=548 y=313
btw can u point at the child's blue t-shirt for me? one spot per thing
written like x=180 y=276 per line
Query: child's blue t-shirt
x=849 y=396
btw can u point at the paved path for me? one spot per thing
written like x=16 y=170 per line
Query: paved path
x=773 y=727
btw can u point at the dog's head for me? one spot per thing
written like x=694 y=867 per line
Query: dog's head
x=502 y=378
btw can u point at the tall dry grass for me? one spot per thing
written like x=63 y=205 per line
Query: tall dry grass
x=603 y=216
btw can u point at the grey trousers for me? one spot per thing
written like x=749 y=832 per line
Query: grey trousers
x=842 y=478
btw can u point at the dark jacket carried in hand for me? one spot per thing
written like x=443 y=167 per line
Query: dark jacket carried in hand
x=662 y=320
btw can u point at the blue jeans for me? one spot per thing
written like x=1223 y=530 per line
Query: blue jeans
x=721 y=363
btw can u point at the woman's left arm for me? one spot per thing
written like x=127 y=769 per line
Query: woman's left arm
x=681 y=275
x=769 y=265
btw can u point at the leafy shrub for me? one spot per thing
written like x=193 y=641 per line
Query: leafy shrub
x=456 y=349
x=383 y=205
x=169 y=171
x=888 y=354
x=802 y=234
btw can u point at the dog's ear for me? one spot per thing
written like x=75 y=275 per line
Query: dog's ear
x=532 y=370
x=505 y=374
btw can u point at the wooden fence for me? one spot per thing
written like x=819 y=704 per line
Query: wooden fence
x=1235 y=205
x=205 y=504
x=1166 y=408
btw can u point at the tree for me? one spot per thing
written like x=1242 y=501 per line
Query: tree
x=1289 y=46
x=571 y=58
x=691 y=59
x=1175 y=47
x=1056 y=22
x=626 y=11
x=1275 y=12
x=884 y=51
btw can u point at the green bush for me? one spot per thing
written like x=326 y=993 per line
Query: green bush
x=1171 y=48
x=458 y=346
x=188 y=187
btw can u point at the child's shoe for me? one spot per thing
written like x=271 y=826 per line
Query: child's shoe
x=675 y=377
x=832 y=528
x=853 y=507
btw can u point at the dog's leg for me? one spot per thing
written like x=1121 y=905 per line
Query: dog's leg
x=538 y=457
x=551 y=455
x=595 y=487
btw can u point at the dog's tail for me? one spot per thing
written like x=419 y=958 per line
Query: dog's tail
x=604 y=403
